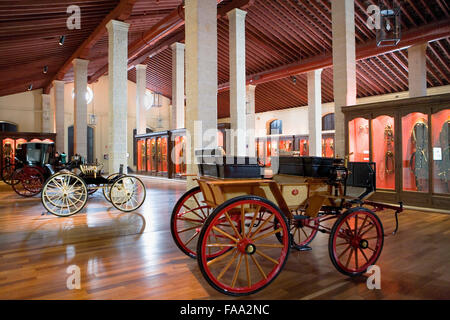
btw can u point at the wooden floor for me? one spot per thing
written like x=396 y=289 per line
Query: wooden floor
x=132 y=256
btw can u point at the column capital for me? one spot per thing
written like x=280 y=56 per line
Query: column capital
x=141 y=67
x=58 y=82
x=236 y=13
x=116 y=25
x=46 y=96
x=316 y=71
x=80 y=62
x=177 y=46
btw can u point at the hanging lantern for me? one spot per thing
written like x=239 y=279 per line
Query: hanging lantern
x=389 y=32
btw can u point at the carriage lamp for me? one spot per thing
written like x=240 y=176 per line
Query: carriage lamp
x=389 y=32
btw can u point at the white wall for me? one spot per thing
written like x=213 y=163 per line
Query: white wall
x=295 y=120
x=23 y=109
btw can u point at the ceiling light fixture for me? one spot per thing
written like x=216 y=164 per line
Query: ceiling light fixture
x=61 y=40
x=30 y=87
x=294 y=79
x=45 y=69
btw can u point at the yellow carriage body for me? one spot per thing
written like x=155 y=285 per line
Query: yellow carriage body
x=290 y=193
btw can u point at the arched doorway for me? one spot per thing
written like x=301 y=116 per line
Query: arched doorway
x=90 y=143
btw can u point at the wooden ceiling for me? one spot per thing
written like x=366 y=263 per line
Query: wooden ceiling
x=278 y=33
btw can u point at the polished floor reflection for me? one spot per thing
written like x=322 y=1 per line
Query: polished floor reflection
x=132 y=255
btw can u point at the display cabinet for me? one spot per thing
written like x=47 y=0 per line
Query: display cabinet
x=11 y=141
x=152 y=153
x=328 y=145
x=408 y=139
x=301 y=144
x=272 y=146
x=178 y=153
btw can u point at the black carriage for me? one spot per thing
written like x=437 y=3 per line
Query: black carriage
x=65 y=193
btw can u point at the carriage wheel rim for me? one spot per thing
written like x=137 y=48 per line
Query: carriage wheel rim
x=300 y=232
x=201 y=213
x=69 y=194
x=30 y=179
x=243 y=254
x=357 y=242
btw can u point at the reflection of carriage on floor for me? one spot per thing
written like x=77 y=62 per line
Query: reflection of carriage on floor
x=66 y=193
x=242 y=229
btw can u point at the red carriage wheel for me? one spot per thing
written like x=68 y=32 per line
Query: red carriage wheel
x=246 y=225
x=356 y=241
x=29 y=181
x=188 y=217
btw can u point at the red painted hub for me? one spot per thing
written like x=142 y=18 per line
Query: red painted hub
x=246 y=246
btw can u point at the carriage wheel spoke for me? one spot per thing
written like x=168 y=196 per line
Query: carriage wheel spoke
x=253 y=219
x=363 y=224
x=199 y=206
x=191 y=238
x=266 y=256
x=247 y=268
x=343 y=252
x=236 y=272
x=261 y=226
x=229 y=236
x=228 y=265
x=219 y=258
x=370 y=228
x=221 y=245
x=267 y=234
x=349 y=257
x=191 y=228
x=270 y=245
x=260 y=269
x=242 y=221
x=364 y=255
x=232 y=225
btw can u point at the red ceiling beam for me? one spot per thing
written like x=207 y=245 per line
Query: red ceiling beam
x=429 y=32
x=121 y=12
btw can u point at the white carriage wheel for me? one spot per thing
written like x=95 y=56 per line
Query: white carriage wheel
x=64 y=194
x=106 y=189
x=127 y=193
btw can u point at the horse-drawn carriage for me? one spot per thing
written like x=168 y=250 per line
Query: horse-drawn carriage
x=240 y=226
x=66 y=193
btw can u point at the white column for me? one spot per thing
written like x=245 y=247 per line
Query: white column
x=344 y=65
x=141 y=84
x=177 y=85
x=236 y=19
x=46 y=114
x=59 y=115
x=80 y=107
x=201 y=72
x=315 y=112
x=250 y=125
x=417 y=66
x=118 y=88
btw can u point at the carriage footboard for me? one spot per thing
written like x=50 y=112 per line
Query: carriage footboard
x=382 y=206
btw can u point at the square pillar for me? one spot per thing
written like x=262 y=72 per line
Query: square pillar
x=344 y=66
x=141 y=84
x=250 y=125
x=80 y=68
x=59 y=116
x=201 y=70
x=236 y=19
x=177 y=85
x=315 y=112
x=118 y=97
x=417 y=66
x=46 y=114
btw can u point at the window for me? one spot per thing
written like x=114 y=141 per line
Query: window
x=275 y=127
x=328 y=122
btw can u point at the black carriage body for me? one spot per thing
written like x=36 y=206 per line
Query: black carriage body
x=37 y=154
